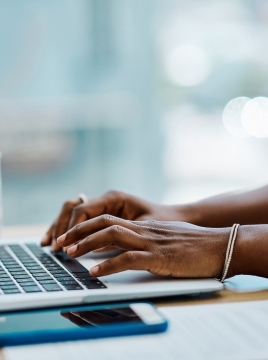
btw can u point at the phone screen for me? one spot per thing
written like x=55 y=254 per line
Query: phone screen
x=64 y=320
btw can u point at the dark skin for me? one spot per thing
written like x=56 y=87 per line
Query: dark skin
x=180 y=241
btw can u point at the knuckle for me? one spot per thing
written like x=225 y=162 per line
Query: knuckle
x=107 y=265
x=106 y=219
x=116 y=229
x=130 y=257
x=114 y=194
x=77 y=210
x=111 y=193
x=152 y=222
x=68 y=205
x=77 y=228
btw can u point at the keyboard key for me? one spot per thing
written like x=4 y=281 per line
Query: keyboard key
x=3 y=283
x=25 y=258
x=28 y=283
x=39 y=272
x=69 y=283
x=5 y=278
x=53 y=267
x=95 y=286
x=14 y=270
x=47 y=259
x=9 y=259
x=16 y=248
x=51 y=287
x=83 y=275
x=52 y=281
x=44 y=258
x=39 y=278
x=64 y=278
x=11 y=291
x=71 y=264
x=15 y=273
x=20 y=281
x=30 y=289
x=8 y=287
x=12 y=265
x=73 y=287
x=61 y=276
x=91 y=282
x=57 y=271
x=87 y=279
x=26 y=276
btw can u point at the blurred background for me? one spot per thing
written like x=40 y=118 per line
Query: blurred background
x=165 y=99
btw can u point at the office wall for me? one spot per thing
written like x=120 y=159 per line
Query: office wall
x=129 y=95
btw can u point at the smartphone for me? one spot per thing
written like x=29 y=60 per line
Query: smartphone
x=76 y=323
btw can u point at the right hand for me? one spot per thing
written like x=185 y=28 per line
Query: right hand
x=114 y=203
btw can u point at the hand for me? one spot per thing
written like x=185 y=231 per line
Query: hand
x=113 y=203
x=174 y=249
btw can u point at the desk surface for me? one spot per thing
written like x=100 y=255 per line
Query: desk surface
x=223 y=296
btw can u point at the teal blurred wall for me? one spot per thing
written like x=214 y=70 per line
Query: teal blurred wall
x=79 y=110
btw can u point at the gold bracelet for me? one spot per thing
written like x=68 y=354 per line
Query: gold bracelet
x=229 y=252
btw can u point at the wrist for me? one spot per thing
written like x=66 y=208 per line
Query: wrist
x=189 y=213
x=219 y=244
x=250 y=251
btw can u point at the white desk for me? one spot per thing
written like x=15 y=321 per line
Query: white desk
x=224 y=296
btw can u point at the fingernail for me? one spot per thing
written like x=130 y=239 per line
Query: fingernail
x=71 y=250
x=61 y=239
x=94 y=270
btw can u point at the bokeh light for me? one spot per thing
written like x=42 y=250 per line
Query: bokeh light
x=254 y=117
x=187 y=65
x=232 y=116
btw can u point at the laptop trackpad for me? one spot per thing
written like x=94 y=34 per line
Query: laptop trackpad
x=125 y=277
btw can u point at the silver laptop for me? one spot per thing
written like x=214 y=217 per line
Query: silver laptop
x=31 y=277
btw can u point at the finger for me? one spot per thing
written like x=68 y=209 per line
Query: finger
x=55 y=246
x=47 y=238
x=92 y=226
x=111 y=203
x=115 y=203
x=104 y=249
x=130 y=260
x=61 y=224
x=115 y=235
x=78 y=215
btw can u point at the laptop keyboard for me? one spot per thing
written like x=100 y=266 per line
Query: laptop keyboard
x=29 y=269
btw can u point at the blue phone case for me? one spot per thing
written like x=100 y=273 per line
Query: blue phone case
x=44 y=336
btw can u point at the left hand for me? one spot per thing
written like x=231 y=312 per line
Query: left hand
x=174 y=249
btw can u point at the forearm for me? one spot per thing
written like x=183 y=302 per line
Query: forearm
x=250 y=254
x=248 y=207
